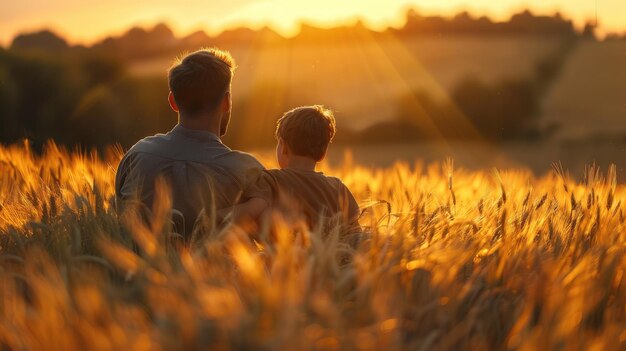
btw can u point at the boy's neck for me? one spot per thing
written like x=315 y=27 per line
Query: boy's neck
x=302 y=163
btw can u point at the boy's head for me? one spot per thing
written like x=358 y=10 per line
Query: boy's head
x=200 y=85
x=306 y=131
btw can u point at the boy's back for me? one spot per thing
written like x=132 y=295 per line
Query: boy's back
x=304 y=192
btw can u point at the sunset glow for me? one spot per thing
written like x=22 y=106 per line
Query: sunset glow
x=87 y=21
x=313 y=175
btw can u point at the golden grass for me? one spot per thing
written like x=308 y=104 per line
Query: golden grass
x=455 y=260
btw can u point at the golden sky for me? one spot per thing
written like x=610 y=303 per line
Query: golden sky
x=84 y=21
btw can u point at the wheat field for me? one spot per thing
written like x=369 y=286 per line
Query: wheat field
x=451 y=260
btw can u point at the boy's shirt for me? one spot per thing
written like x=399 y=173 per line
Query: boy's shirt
x=296 y=191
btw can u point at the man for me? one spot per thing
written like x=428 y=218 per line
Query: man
x=201 y=171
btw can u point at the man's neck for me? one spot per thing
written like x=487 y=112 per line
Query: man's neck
x=200 y=123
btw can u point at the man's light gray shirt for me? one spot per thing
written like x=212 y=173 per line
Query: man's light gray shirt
x=199 y=168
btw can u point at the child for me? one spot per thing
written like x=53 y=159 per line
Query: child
x=296 y=189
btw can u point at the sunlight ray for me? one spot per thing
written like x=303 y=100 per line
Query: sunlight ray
x=399 y=59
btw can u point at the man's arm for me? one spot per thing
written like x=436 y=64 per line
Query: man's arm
x=246 y=215
x=245 y=211
x=121 y=177
x=257 y=197
x=131 y=183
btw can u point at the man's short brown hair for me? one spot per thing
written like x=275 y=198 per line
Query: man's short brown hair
x=200 y=80
x=307 y=130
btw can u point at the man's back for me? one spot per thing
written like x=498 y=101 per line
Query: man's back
x=199 y=168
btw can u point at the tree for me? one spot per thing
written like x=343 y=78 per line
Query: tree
x=44 y=40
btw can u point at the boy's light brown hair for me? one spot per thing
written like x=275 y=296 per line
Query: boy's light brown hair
x=307 y=130
x=200 y=80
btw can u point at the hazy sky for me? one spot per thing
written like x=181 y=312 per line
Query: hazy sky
x=88 y=20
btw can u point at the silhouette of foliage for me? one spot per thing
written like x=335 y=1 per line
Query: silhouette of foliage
x=44 y=40
x=75 y=100
x=523 y=23
x=500 y=111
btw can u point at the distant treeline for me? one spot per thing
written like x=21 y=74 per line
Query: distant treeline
x=85 y=96
x=160 y=40
x=77 y=100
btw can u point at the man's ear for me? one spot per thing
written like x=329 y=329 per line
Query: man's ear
x=226 y=102
x=170 y=99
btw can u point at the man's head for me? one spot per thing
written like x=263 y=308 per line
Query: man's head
x=306 y=132
x=200 y=87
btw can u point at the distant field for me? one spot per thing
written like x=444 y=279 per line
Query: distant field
x=364 y=81
x=539 y=157
x=590 y=98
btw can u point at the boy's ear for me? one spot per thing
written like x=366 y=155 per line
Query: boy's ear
x=170 y=99
x=323 y=156
x=285 y=148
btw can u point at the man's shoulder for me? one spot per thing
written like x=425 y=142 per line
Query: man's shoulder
x=139 y=154
x=240 y=160
x=162 y=148
x=148 y=144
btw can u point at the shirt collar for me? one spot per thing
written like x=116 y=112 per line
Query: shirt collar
x=200 y=135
